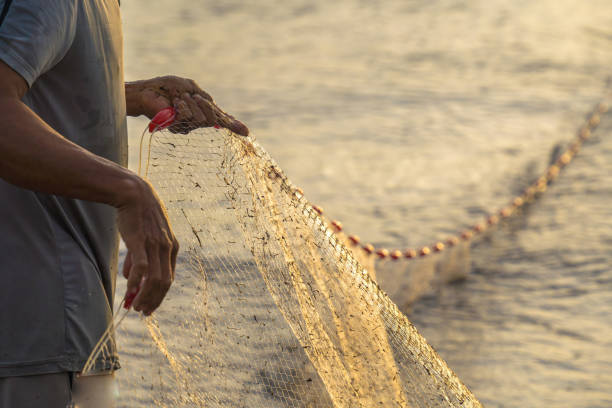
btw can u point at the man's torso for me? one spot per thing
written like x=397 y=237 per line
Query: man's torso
x=58 y=257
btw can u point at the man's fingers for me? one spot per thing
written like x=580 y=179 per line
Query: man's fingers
x=159 y=278
x=219 y=117
x=155 y=102
x=199 y=117
x=199 y=91
x=127 y=265
x=182 y=123
x=206 y=107
x=167 y=269
x=139 y=268
x=239 y=128
x=229 y=122
x=204 y=94
x=150 y=284
x=173 y=255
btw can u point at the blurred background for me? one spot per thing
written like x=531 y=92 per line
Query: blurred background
x=410 y=120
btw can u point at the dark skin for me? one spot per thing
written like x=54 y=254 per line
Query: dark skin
x=195 y=107
x=142 y=219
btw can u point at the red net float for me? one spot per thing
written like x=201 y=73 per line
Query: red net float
x=382 y=253
x=492 y=220
x=574 y=147
x=553 y=172
x=354 y=239
x=585 y=134
x=452 y=241
x=162 y=119
x=478 y=228
x=410 y=253
x=368 y=248
x=564 y=159
x=467 y=234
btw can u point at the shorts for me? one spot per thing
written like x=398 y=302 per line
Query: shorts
x=59 y=390
x=37 y=391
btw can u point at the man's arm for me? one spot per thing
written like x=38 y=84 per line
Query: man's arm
x=35 y=157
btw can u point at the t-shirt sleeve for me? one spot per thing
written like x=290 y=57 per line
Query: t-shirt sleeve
x=36 y=34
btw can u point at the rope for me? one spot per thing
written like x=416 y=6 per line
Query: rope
x=531 y=193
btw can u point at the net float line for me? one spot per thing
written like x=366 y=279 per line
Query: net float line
x=533 y=191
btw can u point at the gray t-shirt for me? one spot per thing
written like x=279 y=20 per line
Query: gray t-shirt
x=58 y=256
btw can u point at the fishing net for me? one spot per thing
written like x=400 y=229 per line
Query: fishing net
x=269 y=308
x=428 y=269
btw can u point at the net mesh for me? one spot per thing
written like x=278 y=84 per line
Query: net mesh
x=269 y=308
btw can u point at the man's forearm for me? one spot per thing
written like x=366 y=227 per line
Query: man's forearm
x=133 y=98
x=35 y=157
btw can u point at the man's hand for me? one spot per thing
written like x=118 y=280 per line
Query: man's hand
x=152 y=247
x=195 y=107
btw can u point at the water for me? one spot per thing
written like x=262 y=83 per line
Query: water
x=410 y=120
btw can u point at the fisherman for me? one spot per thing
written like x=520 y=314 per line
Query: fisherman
x=66 y=195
